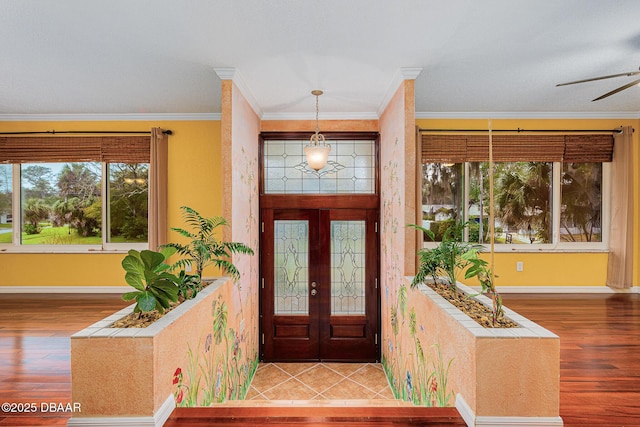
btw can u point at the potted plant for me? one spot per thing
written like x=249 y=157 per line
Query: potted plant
x=204 y=248
x=446 y=260
x=181 y=349
x=444 y=264
x=480 y=268
x=475 y=355
x=155 y=287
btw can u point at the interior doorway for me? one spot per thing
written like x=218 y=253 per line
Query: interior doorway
x=319 y=295
x=320 y=284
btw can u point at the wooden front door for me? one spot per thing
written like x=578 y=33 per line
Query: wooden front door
x=319 y=291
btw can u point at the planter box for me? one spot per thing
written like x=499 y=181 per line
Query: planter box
x=507 y=376
x=127 y=376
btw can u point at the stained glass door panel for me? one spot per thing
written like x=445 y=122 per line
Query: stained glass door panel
x=348 y=320
x=348 y=255
x=291 y=264
x=289 y=312
x=319 y=296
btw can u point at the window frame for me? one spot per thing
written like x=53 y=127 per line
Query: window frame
x=105 y=247
x=556 y=245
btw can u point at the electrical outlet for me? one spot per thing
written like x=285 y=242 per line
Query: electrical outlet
x=519 y=266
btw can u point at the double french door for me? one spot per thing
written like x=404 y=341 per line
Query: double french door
x=319 y=291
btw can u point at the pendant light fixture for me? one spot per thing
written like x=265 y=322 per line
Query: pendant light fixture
x=317 y=152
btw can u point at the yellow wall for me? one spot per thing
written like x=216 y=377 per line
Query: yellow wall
x=554 y=269
x=194 y=180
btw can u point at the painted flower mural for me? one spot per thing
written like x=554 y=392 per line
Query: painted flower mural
x=414 y=374
x=412 y=363
x=217 y=369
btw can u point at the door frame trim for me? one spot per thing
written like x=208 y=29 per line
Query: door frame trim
x=321 y=201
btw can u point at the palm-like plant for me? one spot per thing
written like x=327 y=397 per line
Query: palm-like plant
x=203 y=248
x=35 y=210
x=581 y=200
x=523 y=197
x=480 y=268
x=447 y=258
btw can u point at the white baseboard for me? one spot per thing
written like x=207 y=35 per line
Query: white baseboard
x=519 y=422
x=64 y=289
x=157 y=420
x=484 y=421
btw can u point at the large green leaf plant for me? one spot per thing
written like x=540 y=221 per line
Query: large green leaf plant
x=147 y=272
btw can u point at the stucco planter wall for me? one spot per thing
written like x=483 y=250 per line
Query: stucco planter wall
x=135 y=376
x=493 y=376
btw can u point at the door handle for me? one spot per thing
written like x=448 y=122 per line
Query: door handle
x=314 y=284
x=313 y=292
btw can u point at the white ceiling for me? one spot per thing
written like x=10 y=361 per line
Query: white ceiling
x=482 y=58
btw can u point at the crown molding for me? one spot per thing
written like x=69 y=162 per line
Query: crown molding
x=528 y=115
x=108 y=117
x=410 y=73
x=321 y=116
x=225 y=73
x=402 y=74
x=229 y=73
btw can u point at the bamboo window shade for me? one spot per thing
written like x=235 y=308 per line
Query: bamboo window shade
x=588 y=148
x=111 y=149
x=517 y=148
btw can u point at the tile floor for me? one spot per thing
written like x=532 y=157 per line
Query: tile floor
x=333 y=384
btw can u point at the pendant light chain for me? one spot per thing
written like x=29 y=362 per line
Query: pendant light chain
x=317 y=93
x=317 y=112
x=317 y=153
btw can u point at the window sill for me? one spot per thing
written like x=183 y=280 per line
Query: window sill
x=69 y=250
x=549 y=250
x=535 y=249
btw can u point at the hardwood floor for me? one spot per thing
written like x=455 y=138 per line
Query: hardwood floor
x=599 y=353
x=34 y=351
x=599 y=377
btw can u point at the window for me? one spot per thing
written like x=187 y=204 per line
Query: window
x=128 y=191
x=350 y=169
x=523 y=202
x=61 y=203
x=83 y=193
x=581 y=202
x=6 y=203
x=548 y=190
x=442 y=195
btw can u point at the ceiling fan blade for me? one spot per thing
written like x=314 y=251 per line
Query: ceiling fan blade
x=620 y=89
x=630 y=73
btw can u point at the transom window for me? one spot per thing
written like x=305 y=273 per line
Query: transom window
x=350 y=169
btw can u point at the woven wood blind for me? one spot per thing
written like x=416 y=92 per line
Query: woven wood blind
x=444 y=148
x=517 y=148
x=115 y=149
x=588 y=148
x=129 y=149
